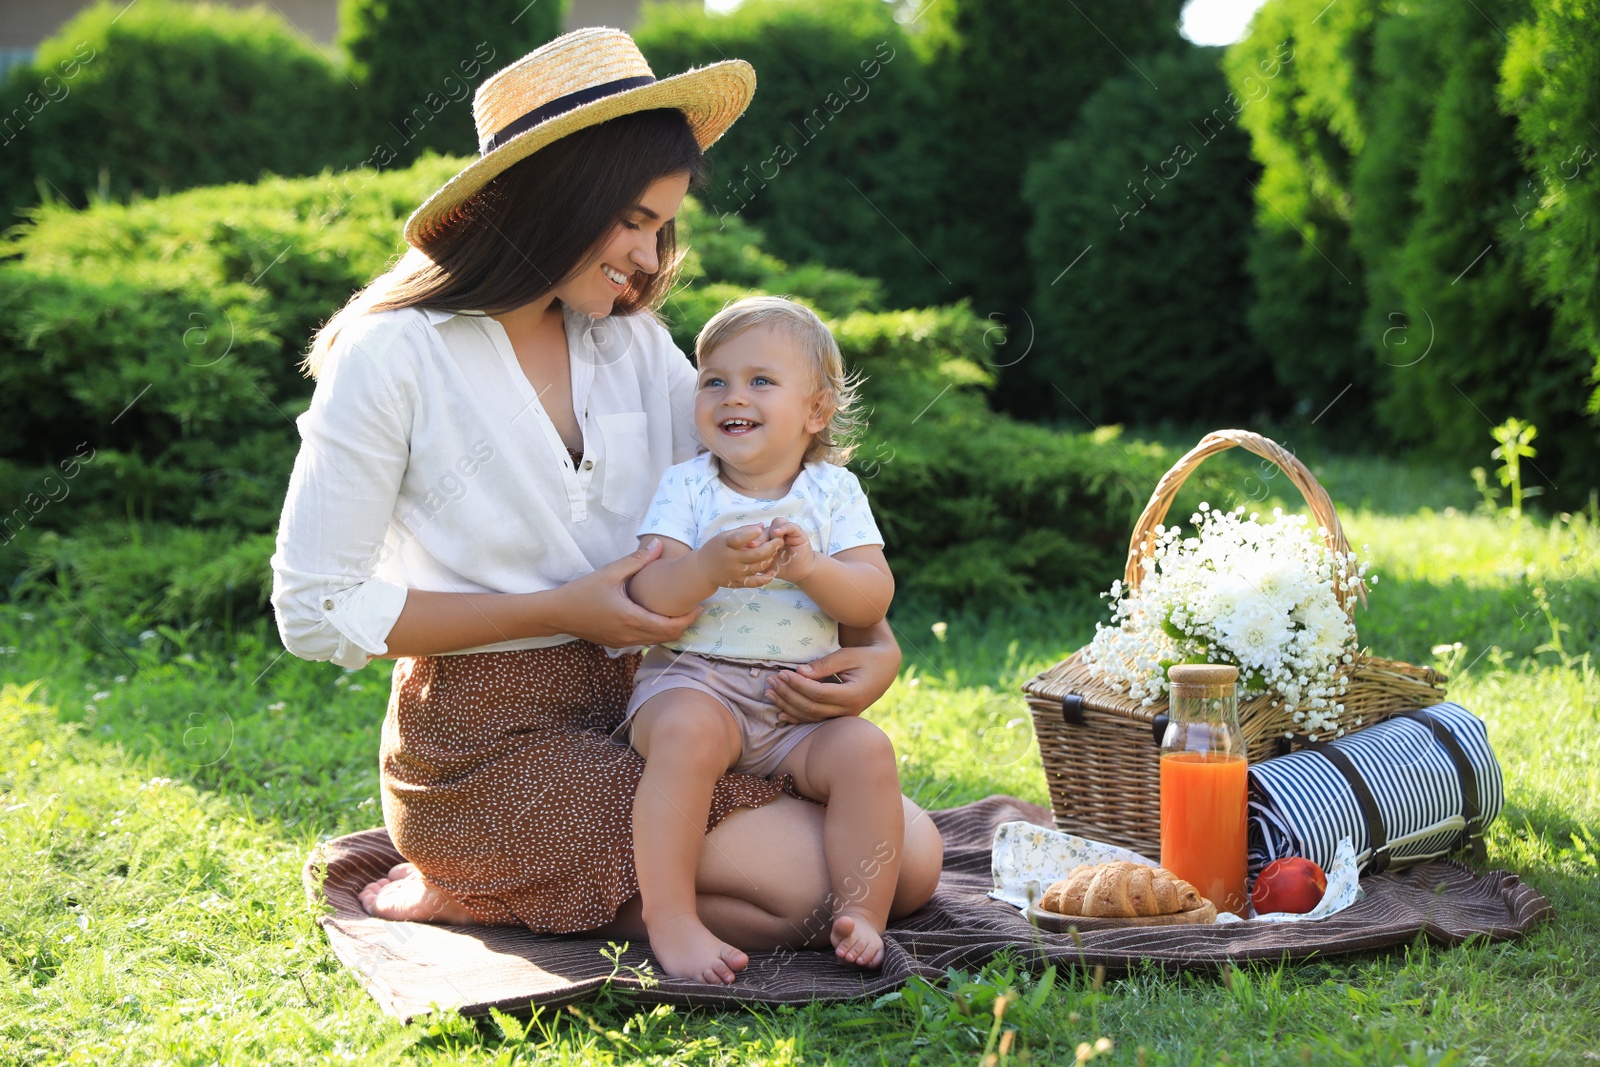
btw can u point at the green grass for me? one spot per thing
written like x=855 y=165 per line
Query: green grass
x=157 y=801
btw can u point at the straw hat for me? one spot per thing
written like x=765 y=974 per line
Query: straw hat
x=579 y=79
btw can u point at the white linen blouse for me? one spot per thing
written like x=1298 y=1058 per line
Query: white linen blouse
x=428 y=462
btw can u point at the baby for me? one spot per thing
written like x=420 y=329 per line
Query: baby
x=780 y=545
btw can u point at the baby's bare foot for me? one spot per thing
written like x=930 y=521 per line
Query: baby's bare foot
x=857 y=939
x=403 y=896
x=686 y=949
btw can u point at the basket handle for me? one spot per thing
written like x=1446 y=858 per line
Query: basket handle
x=1220 y=441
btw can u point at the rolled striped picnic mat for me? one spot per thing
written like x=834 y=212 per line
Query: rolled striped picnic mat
x=1420 y=785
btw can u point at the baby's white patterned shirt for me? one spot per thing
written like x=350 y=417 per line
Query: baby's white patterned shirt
x=777 y=623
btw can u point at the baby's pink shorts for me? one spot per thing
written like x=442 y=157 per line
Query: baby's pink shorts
x=738 y=686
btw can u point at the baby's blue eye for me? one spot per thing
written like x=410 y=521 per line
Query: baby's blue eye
x=710 y=382
x=761 y=379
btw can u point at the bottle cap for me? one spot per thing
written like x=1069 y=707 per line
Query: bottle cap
x=1202 y=679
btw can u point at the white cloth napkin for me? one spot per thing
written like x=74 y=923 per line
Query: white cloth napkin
x=1027 y=858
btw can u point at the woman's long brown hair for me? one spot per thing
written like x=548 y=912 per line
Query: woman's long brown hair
x=538 y=223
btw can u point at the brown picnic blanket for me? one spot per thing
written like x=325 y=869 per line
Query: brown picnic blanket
x=410 y=967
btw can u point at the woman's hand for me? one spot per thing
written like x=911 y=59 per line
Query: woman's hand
x=843 y=683
x=597 y=608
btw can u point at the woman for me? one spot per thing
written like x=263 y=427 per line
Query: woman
x=490 y=419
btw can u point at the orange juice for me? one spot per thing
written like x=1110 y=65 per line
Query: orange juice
x=1203 y=817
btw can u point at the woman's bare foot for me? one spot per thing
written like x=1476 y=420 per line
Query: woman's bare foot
x=686 y=949
x=405 y=897
x=856 y=940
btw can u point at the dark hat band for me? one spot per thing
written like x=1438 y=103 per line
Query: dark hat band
x=560 y=106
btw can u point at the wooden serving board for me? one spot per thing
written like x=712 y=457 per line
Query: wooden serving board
x=1057 y=923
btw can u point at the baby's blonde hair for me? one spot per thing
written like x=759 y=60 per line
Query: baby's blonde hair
x=836 y=442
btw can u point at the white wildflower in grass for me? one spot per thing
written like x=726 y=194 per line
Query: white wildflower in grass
x=1263 y=596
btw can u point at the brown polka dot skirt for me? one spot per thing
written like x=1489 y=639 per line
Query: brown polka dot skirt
x=501 y=784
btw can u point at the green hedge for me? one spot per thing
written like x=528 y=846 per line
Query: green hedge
x=1306 y=134
x=150 y=349
x=1011 y=77
x=1434 y=193
x=167 y=331
x=836 y=149
x=1551 y=85
x=896 y=147
x=979 y=509
x=1148 y=196
x=1405 y=251
x=157 y=96
x=418 y=64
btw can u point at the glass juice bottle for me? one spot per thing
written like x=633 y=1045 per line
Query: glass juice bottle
x=1203 y=784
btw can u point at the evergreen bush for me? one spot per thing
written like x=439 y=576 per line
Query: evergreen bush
x=418 y=66
x=979 y=509
x=1434 y=193
x=1141 y=222
x=1011 y=78
x=1551 y=86
x=1406 y=262
x=1306 y=134
x=835 y=158
x=158 y=96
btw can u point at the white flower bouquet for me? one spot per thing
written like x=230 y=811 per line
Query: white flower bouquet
x=1267 y=597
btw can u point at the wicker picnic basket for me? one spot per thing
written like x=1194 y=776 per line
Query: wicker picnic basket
x=1100 y=747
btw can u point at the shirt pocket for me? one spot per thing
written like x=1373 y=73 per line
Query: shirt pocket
x=628 y=476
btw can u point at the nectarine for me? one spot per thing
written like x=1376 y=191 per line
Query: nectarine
x=1293 y=884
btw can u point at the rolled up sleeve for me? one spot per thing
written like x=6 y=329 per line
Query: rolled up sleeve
x=355 y=446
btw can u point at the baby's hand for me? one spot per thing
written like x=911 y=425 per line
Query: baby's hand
x=745 y=558
x=797 y=558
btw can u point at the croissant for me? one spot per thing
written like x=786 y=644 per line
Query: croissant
x=1123 y=890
